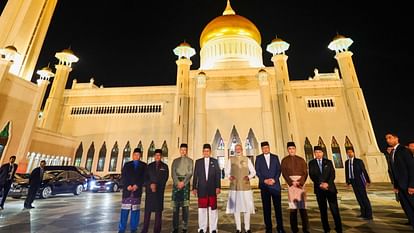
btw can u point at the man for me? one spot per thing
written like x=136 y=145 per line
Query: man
x=268 y=171
x=411 y=147
x=240 y=170
x=7 y=172
x=35 y=179
x=181 y=172
x=356 y=176
x=295 y=173
x=207 y=185
x=156 y=178
x=402 y=169
x=322 y=173
x=133 y=177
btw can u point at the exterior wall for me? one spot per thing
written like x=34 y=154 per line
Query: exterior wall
x=118 y=127
x=16 y=108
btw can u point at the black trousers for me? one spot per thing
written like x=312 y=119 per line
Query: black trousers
x=4 y=189
x=267 y=197
x=407 y=201
x=176 y=217
x=31 y=195
x=362 y=198
x=323 y=198
x=157 y=222
x=294 y=220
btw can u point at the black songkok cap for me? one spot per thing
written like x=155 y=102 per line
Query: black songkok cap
x=137 y=150
x=184 y=145
x=206 y=146
x=289 y=144
x=158 y=151
x=265 y=143
x=317 y=148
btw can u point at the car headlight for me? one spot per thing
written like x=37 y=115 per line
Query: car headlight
x=92 y=184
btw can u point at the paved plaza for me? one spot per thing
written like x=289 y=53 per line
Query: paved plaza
x=99 y=212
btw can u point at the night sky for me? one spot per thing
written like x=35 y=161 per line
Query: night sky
x=129 y=43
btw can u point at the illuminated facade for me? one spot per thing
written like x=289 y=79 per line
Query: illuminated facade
x=231 y=98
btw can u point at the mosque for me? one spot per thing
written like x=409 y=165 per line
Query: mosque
x=231 y=98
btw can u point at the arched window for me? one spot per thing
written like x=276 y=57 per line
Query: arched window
x=78 y=155
x=114 y=157
x=101 y=158
x=4 y=138
x=322 y=144
x=348 y=144
x=89 y=157
x=126 y=154
x=234 y=140
x=164 y=149
x=308 y=150
x=142 y=149
x=218 y=148
x=336 y=154
x=251 y=145
x=151 y=150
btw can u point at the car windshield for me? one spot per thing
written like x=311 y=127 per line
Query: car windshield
x=111 y=176
x=51 y=174
x=22 y=175
x=84 y=171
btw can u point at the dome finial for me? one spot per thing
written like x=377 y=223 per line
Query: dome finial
x=229 y=10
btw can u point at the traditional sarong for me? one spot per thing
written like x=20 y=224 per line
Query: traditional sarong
x=181 y=197
x=205 y=202
x=296 y=196
x=131 y=203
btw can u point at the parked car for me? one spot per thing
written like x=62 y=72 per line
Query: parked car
x=54 y=182
x=81 y=170
x=108 y=183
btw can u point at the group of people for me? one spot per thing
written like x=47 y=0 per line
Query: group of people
x=206 y=177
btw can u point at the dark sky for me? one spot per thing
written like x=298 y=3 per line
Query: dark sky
x=129 y=43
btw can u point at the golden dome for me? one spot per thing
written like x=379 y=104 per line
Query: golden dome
x=229 y=24
x=185 y=44
x=338 y=36
x=69 y=51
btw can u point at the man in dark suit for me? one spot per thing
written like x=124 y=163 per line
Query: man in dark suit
x=7 y=172
x=156 y=178
x=268 y=171
x=133 y=178
x=207 y=185
x=35 y=179
x=402 y=169
x=356 y=176
x=322 y=173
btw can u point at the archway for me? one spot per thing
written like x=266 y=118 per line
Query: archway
x=4 y=138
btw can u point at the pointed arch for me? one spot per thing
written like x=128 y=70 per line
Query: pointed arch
x=251 y=145
x=126 y=154
x=218 y=147
x=78 y=155
x=89 y=157
x=151 y=150
x=101 y=158
x=308 y=150
x=348 y=144
x=234 y=140
x=336 y=154
x=4 y=138
x=113 y=162
x=140 y=146
x=164 y=149
x=322 y=144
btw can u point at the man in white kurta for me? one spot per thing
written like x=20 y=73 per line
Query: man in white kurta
x=240 y=170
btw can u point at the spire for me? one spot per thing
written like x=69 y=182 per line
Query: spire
x=229 y=10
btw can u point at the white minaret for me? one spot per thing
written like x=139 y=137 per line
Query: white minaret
x=284 y=103
x=366 y=140
x=200 y=119
x=7 y=56
x=54 y=103
x=181 y=115
x=24 y=25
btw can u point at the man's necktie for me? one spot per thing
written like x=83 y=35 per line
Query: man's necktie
x=320 y=165
x=392 y=154
x=351 y=168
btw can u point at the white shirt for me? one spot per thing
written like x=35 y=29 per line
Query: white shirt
x=206 y=166
x=267 y=158
x=393 y=151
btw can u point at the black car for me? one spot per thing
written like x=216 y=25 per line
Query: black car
x=54 y=182
x=109 y=183
x=81 y=170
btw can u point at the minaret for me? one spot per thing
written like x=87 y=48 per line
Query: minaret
x=45 y=75
x=54 y=103
x=24 y=24
x=365 y=137
x=184 y=52
x=200 y=119
x=284 y=108
x=7 y=56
